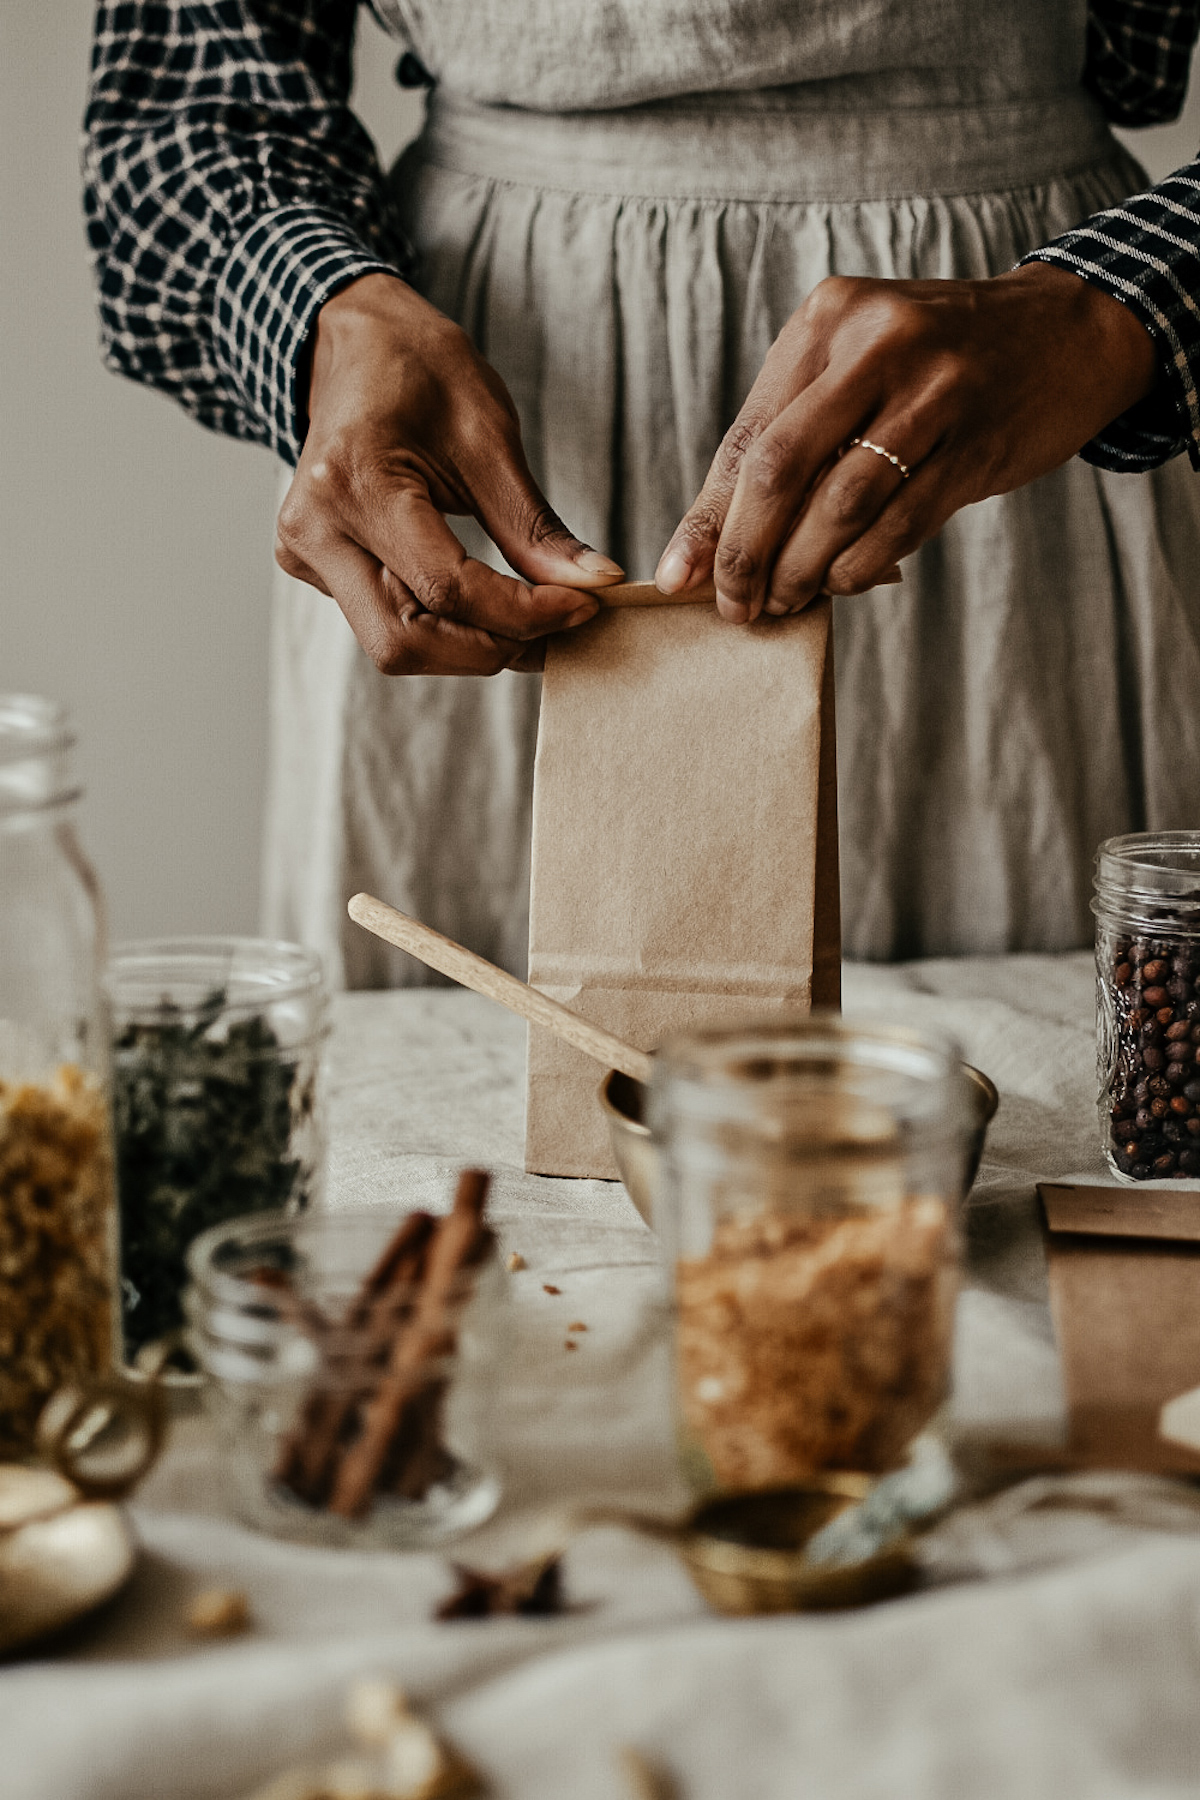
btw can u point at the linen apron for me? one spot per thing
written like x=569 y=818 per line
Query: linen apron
x=623 y=208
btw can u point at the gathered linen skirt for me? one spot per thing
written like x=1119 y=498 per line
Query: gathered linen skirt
x=1033 y=686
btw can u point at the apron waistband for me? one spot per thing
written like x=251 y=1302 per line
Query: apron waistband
x=771 y=148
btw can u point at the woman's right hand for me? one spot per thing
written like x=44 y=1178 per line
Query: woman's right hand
x=406 y=424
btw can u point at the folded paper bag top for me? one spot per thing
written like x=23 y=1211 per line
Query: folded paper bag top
x=684 y=843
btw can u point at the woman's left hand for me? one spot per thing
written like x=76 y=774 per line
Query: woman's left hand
x=976 y=386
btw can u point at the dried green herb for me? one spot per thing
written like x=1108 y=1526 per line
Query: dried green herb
x=205 y=1108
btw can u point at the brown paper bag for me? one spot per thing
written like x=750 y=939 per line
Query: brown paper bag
x=684 y=843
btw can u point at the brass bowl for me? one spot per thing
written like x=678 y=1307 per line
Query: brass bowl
x=60 y=1558
x=636 y=1155
x=748 y=1553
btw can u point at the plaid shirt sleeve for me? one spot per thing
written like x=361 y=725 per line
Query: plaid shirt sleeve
x=229 y=192
x=1146 y=252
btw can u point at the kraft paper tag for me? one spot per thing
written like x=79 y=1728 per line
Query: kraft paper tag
x=684 y=843
x=1126 y=1315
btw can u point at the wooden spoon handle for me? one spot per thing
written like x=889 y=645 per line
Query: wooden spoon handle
x=644 y=593
x=448 y=958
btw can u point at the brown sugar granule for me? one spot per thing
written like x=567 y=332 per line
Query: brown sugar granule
x=549 y=1288
x=56 y=1238
x=570 y=1344
x=577 y=1326
x=515 y=1261
x=806 y=1344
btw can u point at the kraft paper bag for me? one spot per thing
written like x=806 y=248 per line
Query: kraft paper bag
x=684 y=843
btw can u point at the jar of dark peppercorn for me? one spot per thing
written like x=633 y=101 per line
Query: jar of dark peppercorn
x=1147 y=909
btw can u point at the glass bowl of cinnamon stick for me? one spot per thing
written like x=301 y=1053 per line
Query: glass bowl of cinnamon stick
x=352 y=1360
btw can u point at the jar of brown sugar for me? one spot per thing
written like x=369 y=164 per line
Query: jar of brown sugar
x=812 y=1175
x=57 y=1222
x=1147 y=908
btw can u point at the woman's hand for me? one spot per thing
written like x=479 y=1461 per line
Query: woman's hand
x=407 y=423
x=977 y=386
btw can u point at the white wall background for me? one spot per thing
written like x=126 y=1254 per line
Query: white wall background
x=134 y=547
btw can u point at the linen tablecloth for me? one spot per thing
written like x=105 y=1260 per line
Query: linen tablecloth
x=1074 y=1670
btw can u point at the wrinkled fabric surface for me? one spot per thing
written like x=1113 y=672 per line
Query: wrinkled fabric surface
x=1028 y=691
x=1072 y=1671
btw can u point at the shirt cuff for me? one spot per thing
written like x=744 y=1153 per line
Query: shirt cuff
x=1125 y=267
x=275 y=280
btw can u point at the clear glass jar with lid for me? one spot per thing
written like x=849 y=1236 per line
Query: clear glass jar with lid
x=218 y=1102
x=356 y=1391
x=1147 y=907
x=812 y=1173
x=57 y=1218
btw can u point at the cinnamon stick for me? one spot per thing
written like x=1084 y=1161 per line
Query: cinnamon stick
x=458 y=1242
x=306 y=1461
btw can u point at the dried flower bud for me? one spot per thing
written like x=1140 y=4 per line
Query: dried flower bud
x=351 y=1780
x=415 y=1759
x=296 y=1784
x=374 y=1708
x=219 y=1612
x=646 y=1780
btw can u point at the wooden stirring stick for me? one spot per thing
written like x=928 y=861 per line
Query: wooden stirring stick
x=461 y=965
x=644 y=593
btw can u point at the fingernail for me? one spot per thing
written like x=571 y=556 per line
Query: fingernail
x=592 y=563
x=581 y=615
x=777 y=608
x=733 y=610
x=891 y=577
x=672 y=571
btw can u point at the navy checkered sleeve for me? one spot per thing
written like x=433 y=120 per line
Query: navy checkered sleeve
x=1138 y=56
x=1146 y=252
x=229 y=192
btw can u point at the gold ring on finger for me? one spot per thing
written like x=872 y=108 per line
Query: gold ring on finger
x=887 y=455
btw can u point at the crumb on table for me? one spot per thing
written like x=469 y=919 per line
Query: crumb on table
x=219 y=1612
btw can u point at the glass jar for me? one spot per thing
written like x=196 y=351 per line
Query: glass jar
x=56 y=1190
x=812 y=1172
x=1147 y=907
x=218 y=1101
x=353 y=1408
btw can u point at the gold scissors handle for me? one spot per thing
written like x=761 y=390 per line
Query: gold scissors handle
x=104 y=1434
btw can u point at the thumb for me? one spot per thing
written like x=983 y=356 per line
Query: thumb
x=689 y=557
x=529 y=533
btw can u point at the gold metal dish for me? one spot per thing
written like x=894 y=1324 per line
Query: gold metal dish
x=59 y=1558
x=636 y=1155
x=747 y=1553
x=65 y=1546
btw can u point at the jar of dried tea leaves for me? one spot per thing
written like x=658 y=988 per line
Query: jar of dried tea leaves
x=56 y=1188
x=811 y=1180
x=217 y=1099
